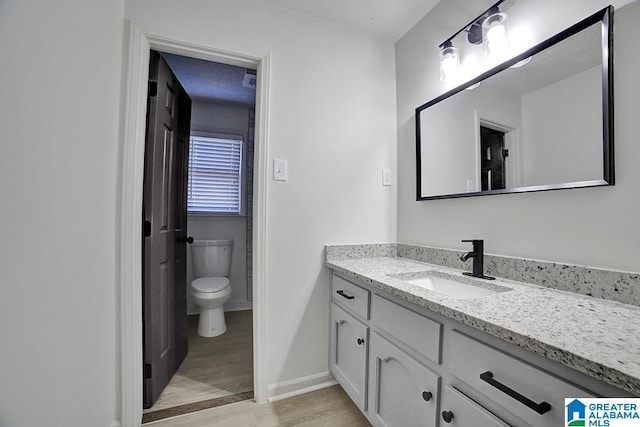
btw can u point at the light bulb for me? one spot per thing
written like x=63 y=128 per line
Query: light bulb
x=495 y=34
x=449 y=62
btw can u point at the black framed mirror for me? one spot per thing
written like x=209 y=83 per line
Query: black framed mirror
x=546 y=125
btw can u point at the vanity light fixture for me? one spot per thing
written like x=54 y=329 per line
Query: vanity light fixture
x=489 y=28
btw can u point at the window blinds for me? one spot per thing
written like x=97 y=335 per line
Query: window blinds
x=214 y=175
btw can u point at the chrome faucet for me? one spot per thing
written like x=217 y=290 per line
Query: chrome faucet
x=478 y=259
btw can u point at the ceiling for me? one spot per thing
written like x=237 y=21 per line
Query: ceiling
x=211 y=80
x=389 y=19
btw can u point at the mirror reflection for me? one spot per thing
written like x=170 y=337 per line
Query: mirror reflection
x=540 y=126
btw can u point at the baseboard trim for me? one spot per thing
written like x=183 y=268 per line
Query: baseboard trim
x=286 y=389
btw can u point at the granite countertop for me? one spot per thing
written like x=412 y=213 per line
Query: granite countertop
x=598 y=337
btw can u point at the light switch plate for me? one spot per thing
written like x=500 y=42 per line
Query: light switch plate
x=386 y=177
x=280 y=170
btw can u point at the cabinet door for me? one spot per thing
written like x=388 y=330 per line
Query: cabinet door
x=402 y=391
x=348 y=354
x=459 y=410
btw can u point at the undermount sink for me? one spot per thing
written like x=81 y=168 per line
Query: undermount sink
x=452 y=287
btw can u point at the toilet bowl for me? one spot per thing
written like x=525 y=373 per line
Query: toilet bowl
x=210 y=294
x=211 y=288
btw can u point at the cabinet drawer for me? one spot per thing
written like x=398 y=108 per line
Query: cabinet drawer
x=402 y=392
x=459 y=410
x=413 y=330
x=350 y=296
x=532 y=394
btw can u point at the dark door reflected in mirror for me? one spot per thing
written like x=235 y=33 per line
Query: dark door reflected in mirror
x=543 y=126
x=493 y=157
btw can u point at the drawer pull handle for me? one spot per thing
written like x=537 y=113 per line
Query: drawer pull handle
x=447 y=416
x=360 y=341
x=342 y=294
x=427 y=395
x=540 y=408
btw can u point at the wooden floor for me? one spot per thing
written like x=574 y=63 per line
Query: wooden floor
x=216 y=371
x=326 y=407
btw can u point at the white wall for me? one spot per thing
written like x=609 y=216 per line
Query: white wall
x=59 y=111
x=446 y=168
x=596 y=226
x=332 y=115
x=562 y=127
x=233 y=119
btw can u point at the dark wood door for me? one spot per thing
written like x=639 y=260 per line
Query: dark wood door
x=493 y=156
x=165 y=223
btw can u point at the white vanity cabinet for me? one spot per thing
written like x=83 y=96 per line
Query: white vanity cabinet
x=394 y=388
x=349 y=338
x=405 y=365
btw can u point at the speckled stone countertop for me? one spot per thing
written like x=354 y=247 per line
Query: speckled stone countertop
x=598 y=337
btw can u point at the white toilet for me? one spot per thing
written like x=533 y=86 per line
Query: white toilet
x=211 y=287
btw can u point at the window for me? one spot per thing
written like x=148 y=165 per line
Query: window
x=215 y=168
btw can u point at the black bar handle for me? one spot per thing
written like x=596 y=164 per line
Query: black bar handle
x=341 y=293
x=540 y=408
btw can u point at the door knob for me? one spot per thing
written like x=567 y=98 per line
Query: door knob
x=427 y=395
x=360 y=341
x=188 y=240
x=447 y=416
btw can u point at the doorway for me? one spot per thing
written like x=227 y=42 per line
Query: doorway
x=217 y=203
x=137 y=50
x=493 y=156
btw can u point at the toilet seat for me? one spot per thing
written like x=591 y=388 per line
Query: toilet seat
x=210 y=284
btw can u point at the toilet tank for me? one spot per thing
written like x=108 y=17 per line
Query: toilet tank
x=211 y=257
